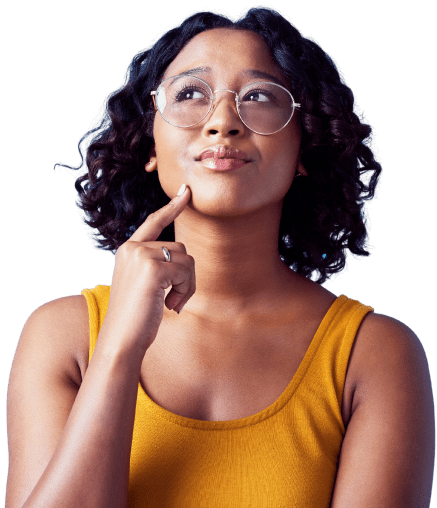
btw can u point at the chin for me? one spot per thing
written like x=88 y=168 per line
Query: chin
x=213 y=209
x=223 y=208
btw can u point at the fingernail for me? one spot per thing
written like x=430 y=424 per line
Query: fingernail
x=182 y=189
x=179 y=311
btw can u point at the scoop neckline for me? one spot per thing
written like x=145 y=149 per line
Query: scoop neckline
x=269 y=411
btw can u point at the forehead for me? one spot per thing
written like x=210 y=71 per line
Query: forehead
x=226 y=53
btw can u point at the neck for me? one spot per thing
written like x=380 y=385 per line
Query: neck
x=237 y=262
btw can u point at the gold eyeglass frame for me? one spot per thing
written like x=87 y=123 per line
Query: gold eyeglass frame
x=153 y=93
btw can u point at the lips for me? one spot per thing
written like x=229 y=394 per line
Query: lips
x=223 y=158
x=223 y=152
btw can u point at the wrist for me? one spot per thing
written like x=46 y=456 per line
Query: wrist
x=110 y=348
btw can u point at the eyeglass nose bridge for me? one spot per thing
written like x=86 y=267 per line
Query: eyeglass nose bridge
x=237 y=102
x=224 y=90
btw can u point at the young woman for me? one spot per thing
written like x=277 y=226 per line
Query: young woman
x=227 y=172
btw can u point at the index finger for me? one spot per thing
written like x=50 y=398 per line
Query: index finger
x=152 y=227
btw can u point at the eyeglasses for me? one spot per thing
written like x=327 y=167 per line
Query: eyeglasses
x=263 y=107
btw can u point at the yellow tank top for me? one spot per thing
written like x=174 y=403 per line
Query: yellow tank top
x=286 y=456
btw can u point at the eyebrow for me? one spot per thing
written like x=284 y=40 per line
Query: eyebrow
x=253 y=73
x=189 y=72
x=196 y=70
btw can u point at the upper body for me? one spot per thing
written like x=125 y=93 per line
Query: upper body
x=283 y=453
x=248 y=319
x=387 y=373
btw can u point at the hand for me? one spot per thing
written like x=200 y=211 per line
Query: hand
x=141 y=276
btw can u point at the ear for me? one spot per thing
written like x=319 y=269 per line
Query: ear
x=153 y=161
x=301 y=170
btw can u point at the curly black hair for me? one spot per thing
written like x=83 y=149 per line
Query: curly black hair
x=322 y=213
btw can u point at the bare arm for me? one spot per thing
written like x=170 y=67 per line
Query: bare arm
x=387 y=457
x=69 y=446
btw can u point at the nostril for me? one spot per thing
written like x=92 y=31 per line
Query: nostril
x=232 y=132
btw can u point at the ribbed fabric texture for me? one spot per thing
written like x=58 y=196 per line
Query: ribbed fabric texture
x=284 y=456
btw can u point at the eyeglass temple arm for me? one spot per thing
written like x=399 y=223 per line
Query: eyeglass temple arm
x=153 y=94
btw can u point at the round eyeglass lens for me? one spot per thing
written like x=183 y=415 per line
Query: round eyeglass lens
x=264 y=107
x=183 y=100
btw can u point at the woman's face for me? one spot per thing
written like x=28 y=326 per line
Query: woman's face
x=231 y=57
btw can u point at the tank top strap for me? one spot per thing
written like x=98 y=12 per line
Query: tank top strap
x=332 y=346
x=98 y=301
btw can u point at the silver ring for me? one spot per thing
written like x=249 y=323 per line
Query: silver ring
x=166 y=253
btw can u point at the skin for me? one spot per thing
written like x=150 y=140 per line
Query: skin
x=230 y=227
x=245 y=330
x=239 y=211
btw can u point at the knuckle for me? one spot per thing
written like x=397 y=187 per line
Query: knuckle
x=125 y=248
x=180 y=247
x=151 y=266
x=153 y=217
x=189 y=272
x=184 y=277
x=121 y=249
x=131 y=246
x=133 y=249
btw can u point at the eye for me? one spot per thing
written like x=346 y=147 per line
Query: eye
x=258 y=96
x=188 y=93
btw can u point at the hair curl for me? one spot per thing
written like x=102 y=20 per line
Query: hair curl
x=322 y=213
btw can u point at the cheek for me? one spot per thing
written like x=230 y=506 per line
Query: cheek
x=282 y=154
x=165 y=146
x=287 y=169
x=160 y=135
x=171 y=143
x=169 y=148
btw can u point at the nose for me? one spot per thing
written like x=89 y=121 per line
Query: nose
x=224 y=119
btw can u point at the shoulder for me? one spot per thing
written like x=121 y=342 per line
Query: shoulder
x=66 y=316
x=384 y=347
x=43 y=385
x=385 y=353
x=61 y=328
x=62 y=309
x=389 y=440
x=391 y=378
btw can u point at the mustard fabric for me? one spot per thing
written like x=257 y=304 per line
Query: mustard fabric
x=284 y=456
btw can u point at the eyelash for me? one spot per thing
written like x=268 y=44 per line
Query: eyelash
x=187 y=88
x=178 y=97
x=264 y=92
